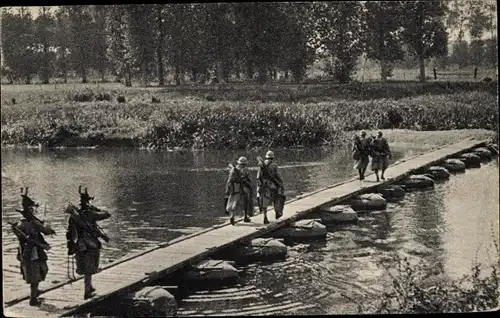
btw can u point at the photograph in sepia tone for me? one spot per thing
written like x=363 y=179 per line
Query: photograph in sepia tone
x=260 y=158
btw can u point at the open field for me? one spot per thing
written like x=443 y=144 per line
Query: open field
x=272 y=92
x=241 y=116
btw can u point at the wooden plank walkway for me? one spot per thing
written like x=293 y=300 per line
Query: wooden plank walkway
x=138 y=270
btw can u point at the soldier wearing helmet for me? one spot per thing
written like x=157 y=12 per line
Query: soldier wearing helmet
x=270 y=188
x=239 y=190
x=32 y=251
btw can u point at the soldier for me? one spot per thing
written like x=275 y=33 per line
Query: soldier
x=31 y=253
x=239 y=190
x=83 y=229
x=270 y=188
x=381 y=154
x=361 y=154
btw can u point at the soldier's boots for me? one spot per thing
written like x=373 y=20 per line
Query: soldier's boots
x=266 y=221
x=232 y=220
x=35 y=302
x=89 y=294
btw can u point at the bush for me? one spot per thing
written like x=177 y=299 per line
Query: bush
x=411 y=291
x=189 y=121
x=103 y=96
x=81 y=96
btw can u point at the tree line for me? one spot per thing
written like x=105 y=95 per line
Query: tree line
x=143 y=42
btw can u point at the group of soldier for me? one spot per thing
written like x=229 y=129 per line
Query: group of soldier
x=376 y=147
x=83 y=232
x=82 y=238
x=269 y=190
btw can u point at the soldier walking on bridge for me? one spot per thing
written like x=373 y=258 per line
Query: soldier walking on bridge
x=31 y=253
x=83 y=228
x=381 y=154
x=361 y=154
x=270 y=188
x=239 y=190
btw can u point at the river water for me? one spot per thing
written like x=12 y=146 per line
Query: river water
x=158 y=196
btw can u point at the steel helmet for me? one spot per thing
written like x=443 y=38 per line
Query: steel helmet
x=269 y=155
x=242 y=161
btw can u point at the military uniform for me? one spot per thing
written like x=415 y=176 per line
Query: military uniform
x=239 y=191
x=270 y=189
x=361 y=154
x=380 y=155
x=31 y=252
x=84 y=244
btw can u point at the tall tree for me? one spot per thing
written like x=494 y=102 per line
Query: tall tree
x=219 y=39
x=160 y=20
x=119 y=45
x=296 y=51
x=476 y=53
x=19 y=44
x=383 y=40
x=45 y=35
x=460 y=54
x=99 y=60
x=82 y=39
x=424 y=30
x=340 y=33
x=61 y=41
x=143 y=40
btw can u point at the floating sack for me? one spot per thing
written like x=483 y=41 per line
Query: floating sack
x=454 y=165
x=262 y=249
x=211 y=270
x=418 y=181
x=153 y=301
x=471 y=160
x=438 y=173
x=483 y=153
x=392 y=192
x=368 y=201
x=303 y=229
x=338 y=214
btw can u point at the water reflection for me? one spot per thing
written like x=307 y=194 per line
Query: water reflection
x=153 y=196
x=447 y=227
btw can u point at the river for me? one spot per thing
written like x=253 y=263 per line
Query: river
x=158 y=196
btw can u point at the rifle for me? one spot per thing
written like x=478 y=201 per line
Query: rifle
x=19 y=232
x=249 y=186
x=268 y=174
x=96 y=231
x=245 y=182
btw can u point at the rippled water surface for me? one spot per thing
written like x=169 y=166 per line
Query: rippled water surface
x=155 y=197
x=448 y=227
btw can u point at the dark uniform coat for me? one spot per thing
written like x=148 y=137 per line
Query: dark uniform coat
x=33 y=258
x=269 y=192
x=362 y=149
x=86 y=246
x=239 y=194
x=380 y=153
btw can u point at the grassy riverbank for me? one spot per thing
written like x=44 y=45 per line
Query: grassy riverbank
x=201 y=117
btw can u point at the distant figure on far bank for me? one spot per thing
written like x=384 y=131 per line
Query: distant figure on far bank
x=361 y=153
x=381 y=154
x=239 y=190
x=83 y=228
x=270 y=188
x=32 y=252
